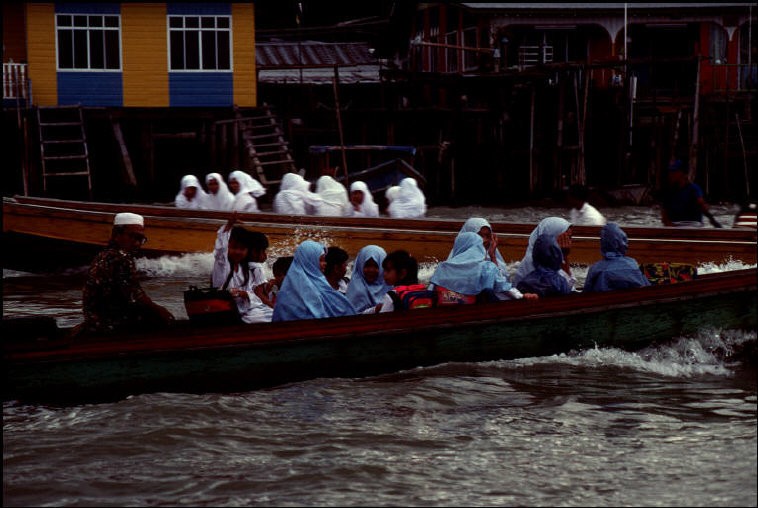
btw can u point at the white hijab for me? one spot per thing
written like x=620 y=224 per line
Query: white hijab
x=250 y=188
x=294 y=196
x=410 y=201
x=198 y=202
x=223 y=199
x=335 y=201
x=368 y=208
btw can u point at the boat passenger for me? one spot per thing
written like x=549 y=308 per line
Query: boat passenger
x=483 y=228
x=218 y=195
x=389 y=196
x=615 y=270
x=336 y=268
x=545 y=279
x=561 y=230
x=410 y=202
x=582 y=212
x=246 y=190
x=294 y=196
x=683 y=204
x=401 y=274
x=191 y=195
x=236 y=267
x=305 y=292
x=113 y=298
x=362 y=200
x=268 y=290
x=467 y=277
x=367 y=287
x=334 y=199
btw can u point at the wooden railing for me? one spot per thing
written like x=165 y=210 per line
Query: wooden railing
x=15 y=82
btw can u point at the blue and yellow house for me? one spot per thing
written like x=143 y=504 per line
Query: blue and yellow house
x=141 y=54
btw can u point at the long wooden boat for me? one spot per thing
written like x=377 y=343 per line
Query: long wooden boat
x=194 y=359
x=172 y=230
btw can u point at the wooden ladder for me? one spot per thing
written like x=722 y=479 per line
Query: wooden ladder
x=63 y=144
x=265 y=145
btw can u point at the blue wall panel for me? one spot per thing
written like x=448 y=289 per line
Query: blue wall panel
x=209 y=8
x=200 y=89
x=87 y=8
x=90 y=88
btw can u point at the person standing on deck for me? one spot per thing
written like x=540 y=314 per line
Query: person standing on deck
x=191 y=195
x=113 y=298
x=683 y=204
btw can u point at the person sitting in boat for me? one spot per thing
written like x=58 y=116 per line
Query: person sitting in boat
x=305 y=292
x=389 y=196
x=546 y=279
x=467 y=277
x=113 y=298
x=237 y=258
x=615 y=270
x=362 y=200
x=218 y=196
x=410 y=202
x=483 y=228
x=191 y=195
x=683 y=204
x=582 y=212
x=401 y=275
x=294 y=196
x=336 y=268
x=246 y=190
x=367 y=287
x=268 y=290
x=560 y=229
x=334 y=199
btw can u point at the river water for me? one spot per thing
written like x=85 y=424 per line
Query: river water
x=671 y=425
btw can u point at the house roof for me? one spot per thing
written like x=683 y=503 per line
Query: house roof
x=314 y=62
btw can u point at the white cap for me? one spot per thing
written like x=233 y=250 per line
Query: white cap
x=128 y=219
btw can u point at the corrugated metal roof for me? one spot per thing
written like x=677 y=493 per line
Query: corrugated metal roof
x=313 y=62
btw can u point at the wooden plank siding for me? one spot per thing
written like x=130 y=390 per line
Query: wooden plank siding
x=40 y=19
x=243 y=51
x=145 y=54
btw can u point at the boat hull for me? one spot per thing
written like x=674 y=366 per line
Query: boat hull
x=201 y=359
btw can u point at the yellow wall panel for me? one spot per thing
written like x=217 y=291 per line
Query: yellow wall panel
x=243 y=46
x=145 y=53
x=40 y=51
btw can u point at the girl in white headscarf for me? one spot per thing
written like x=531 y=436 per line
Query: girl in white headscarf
x=248 y=189
x=362 y=201
x=218 y=197
x=334 y=202
x=410 y=202
x=558 y=228
x=191 y=195
x=294 y=196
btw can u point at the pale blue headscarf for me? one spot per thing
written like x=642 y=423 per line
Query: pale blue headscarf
x=473 y=225
x=467 y=271
x=360 y=293
x=305 y=292
x=550 y=225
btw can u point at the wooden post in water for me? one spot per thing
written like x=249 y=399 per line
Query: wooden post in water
x=695 y=124
x=531 y=141
x=336 y=82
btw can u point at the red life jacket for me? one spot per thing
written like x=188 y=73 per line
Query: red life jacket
x=413 y=296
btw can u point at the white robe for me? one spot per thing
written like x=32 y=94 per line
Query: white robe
x=410 y=202
x=334 y=198
x=294 y=196
x=587 y=215
x=250 y=188
x=368 y=208
x=223 y=199
x=198 y=202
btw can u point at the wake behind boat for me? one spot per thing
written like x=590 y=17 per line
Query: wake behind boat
x=40 y=363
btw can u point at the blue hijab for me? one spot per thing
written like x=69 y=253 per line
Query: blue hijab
x=466 y=270
x=473 y=225
x=545 y=279
x=305 y=292
x=551 y=225
x=360 y=293
x=615 y=270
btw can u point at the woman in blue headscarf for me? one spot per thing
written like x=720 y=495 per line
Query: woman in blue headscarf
x=467 y=271
x=545 y=279
x=483 y=228
x=560 y=230
x=615 y=270
x=305 y=292
x=367 y=287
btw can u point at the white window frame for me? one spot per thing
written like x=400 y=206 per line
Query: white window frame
x=73 y=29
x=199 y=30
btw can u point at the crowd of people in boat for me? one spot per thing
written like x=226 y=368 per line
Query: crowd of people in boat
x=313 y=282
x=295 y=197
